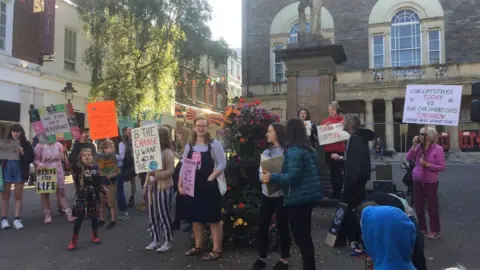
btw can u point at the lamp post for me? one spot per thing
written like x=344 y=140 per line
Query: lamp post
x=69 y=91
x=184 y=113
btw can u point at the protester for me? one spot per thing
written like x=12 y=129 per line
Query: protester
x=121 y=200
x=159 y=192
x=77 y=147
x=301 y=186
x=273 y=203
x=378 y=148
x=109 y=194
x=183 y=135
x=357 y=173
x=388 y=199
x=206 y=206
x=335 y=168
x=50 y=155
x=128 y=169
x=429 y=161
x=304 y=115
x=16 y=173
x=87 y=196
x=389 y=237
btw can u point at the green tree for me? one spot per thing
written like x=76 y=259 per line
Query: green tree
x=137 y=46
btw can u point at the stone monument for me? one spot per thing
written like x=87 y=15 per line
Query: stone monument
x=310 y=71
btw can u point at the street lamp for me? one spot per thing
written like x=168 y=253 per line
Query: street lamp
x=69 y=91
x=184 y=113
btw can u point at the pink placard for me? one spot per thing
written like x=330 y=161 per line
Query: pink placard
x=76 y=133
x=189 y=168
x=38 y=127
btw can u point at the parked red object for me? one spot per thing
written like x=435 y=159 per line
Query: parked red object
x=444 y=141
x=467 y=140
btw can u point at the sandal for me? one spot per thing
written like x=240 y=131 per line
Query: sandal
x=212 y=256
x=433 y=236
x=194 y=251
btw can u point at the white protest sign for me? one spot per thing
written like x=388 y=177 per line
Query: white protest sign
x=147 y=153
x=308 y=127
x=46 y=181
x=8 y=149
x=432 y=104
x=332 y=133
x=189 y=168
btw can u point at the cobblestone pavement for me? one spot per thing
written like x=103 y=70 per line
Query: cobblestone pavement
x=41 y=246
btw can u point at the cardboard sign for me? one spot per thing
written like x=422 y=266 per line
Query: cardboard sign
x=54 y=123
x=189 y=168
x=337 y=220
x=432 y=104
x=147 y=153
x=102 y=117
x=46 y=181
x=108 y=164
x=8 y=149
x=308 y=127
x=332 y=133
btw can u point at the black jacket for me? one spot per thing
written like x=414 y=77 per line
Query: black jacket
x=357 y=162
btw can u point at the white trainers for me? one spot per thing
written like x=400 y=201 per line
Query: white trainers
x=18 y=224
x=153 y=245
x=165 y=247
x=5 y=224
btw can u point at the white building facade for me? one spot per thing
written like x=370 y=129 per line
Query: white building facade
x=234 y=77
x=25 y=84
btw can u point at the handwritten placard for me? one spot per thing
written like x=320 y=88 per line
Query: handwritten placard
x=102 y=117
x=189 y=168
x=332 y=133
x=108 y=164
x=8 y=149
x=308 y=127
x=147 y=153
x=432 y=104
x=54 y=123
x=46 y=181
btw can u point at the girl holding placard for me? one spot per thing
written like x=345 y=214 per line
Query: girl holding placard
x=310 y=127
x=50 y=156
x=16 y=172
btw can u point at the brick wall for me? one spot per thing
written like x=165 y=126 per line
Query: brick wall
x=462 y=36
x=27 y=32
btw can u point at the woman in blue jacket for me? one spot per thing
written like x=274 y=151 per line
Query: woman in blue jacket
x=301 y=187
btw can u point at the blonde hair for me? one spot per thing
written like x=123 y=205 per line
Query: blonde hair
x=185 y=132
x=82 y=165
x=107 y=143
x=431 y=133
x=193 y=138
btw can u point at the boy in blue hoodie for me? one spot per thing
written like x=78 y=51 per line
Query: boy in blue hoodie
x=389 y=237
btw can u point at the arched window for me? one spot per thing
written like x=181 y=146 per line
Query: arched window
x=295 y=29
x=406 y=47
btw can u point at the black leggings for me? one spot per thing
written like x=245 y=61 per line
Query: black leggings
x=300 y=216
x=335 y=169
x=268 y=206
x=78 y=224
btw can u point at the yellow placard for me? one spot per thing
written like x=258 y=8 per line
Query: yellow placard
x=46 y=181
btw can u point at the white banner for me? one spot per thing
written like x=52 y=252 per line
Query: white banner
x=332 y=133
x=147 y=153
x=432 y=104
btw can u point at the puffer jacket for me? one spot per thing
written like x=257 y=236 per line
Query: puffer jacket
x=300 y=177
x=433 y=155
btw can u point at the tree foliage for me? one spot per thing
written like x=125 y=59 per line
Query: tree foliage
x=137 y=46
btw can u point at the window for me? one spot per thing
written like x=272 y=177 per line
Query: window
x=200 y=93
x=406 y=48
x=279 y=72
x=295 y=29
x=378 y=51
x=434 y=46
x=238 y=71
x=70 y=50
x=220 y=101
x=231 y=68
x=3 y=25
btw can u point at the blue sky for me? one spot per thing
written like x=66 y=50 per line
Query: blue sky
x=227 y=21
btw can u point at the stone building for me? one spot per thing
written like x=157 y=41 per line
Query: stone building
x=389 y=44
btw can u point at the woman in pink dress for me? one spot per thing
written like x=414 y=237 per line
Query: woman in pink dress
x=50 y=156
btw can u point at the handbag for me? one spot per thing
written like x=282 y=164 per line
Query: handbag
x=222 y=182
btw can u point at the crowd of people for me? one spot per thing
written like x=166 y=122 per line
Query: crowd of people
x=383 y=226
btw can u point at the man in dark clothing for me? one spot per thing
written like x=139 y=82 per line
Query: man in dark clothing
x=78 y=146
x=387 y=199
x=357 y=173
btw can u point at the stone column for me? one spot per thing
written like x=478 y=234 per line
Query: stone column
x=369 y=117
x=389 y=124
x=454 y=144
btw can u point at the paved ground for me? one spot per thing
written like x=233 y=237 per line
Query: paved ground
x=41 y=246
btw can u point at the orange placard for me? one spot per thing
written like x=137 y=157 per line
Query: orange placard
x=102 y=117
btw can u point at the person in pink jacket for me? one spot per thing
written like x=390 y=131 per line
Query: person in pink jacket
x=429 y=161
x=50 y=156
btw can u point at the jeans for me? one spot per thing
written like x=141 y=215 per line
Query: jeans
x=300 y=217
x=268 y=207
x=426 y=192
x=121 y=200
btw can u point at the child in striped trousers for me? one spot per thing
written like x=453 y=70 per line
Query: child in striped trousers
x=158 y=190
